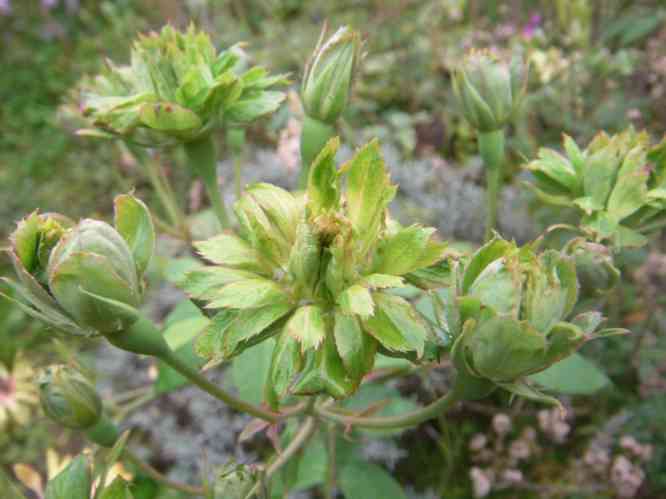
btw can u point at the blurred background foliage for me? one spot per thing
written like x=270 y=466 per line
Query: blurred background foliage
x=596 y=64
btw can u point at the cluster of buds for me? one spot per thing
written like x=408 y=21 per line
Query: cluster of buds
x=617 y=183
x=489 y=90
x=84 y=278
x=176 y=89
x=316 y=272
x=510 y=316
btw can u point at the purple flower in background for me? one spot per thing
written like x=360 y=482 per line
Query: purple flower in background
x=49 y=4
x=5 y=8
x=532 y=25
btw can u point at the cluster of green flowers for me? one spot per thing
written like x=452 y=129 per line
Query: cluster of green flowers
x=618 y=184
x=176 y=89
x=315 y=272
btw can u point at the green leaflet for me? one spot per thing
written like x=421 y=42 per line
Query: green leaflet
x=133 y=221
x=408 y=250
x=231 y=331
x=323 y=191
x=396 y=325
x=369 y=193
x=165 y=116
x=249 y=293
x=307 y=326
x=232 y=251
x=249 y=109
x=356 y=300
x=74 y=482
x=356 y=348
x=202 y=283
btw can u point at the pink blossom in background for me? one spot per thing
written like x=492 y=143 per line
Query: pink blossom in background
x=532 y=25
x=5 y=8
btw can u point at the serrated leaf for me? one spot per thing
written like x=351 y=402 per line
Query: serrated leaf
x=307 y=326
x=249 y=109
x=251 y=326
x=249 y=293
x=323 y=191
x=491 y=251
x=357 y=300
x=249 y=371
x=369 y=193
x=200 y=283
x=133 y=221
x=74 y=482
x=629 y=192
x=356 y=348
x=379 y=281
x=169 y=117
x=395 y=324
x=286 y=361
x=408 y=250
x=232 y=251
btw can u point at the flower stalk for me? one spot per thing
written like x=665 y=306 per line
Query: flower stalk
x=491 y=148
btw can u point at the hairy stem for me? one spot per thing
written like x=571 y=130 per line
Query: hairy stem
x=413 y=418
x=159 y=477
x=203 y=159
x=314 y=136
x=491 y=147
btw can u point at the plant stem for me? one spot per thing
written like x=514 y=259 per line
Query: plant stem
x=202 y=158
x=403 y=421
x=144 y=338
x=159 y=477
x=300 y=439
x=329 y=487
x=162 y=188
x=198 y=379
x=314 y=136
x=491 y=147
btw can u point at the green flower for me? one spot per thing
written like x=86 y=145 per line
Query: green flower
x=177 y=89
x=316 y=273
x=511 y=315
x=489 y=90
x=68 y=398
x=87 y=278
x=617 y=184
x=329 y=75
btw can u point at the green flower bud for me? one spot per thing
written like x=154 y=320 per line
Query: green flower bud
x=596 y=272
x=83 y=279
x=616 y=184
x=315 y=272
x=488 y=89
x=235 y=481
x=68 y=398
x=177 y=89
x=513 y=310
x=329 y=75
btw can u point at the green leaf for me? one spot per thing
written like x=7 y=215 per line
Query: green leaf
x=499 y=285
x=369 y=193
x=117 y=450
x=379 y=281
x=362 y=480
x=249 y=293
x=286 y=361
x=249 y=109
x=202 y=283
x=488 y=253
x=133 y=221
x=232 y=251
x=356 y=348
x=280 y=206
x=307 y=326
x=396 y=325
x=25 y=240
x=249 y=327
x=574 y=375
x=629 y=192
x=323 y=192
x=357 y=300
x=600 y=173
x=249 y=371
x=119 y=489
x=169 y=117
x=408 y=250
x=73 y=482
